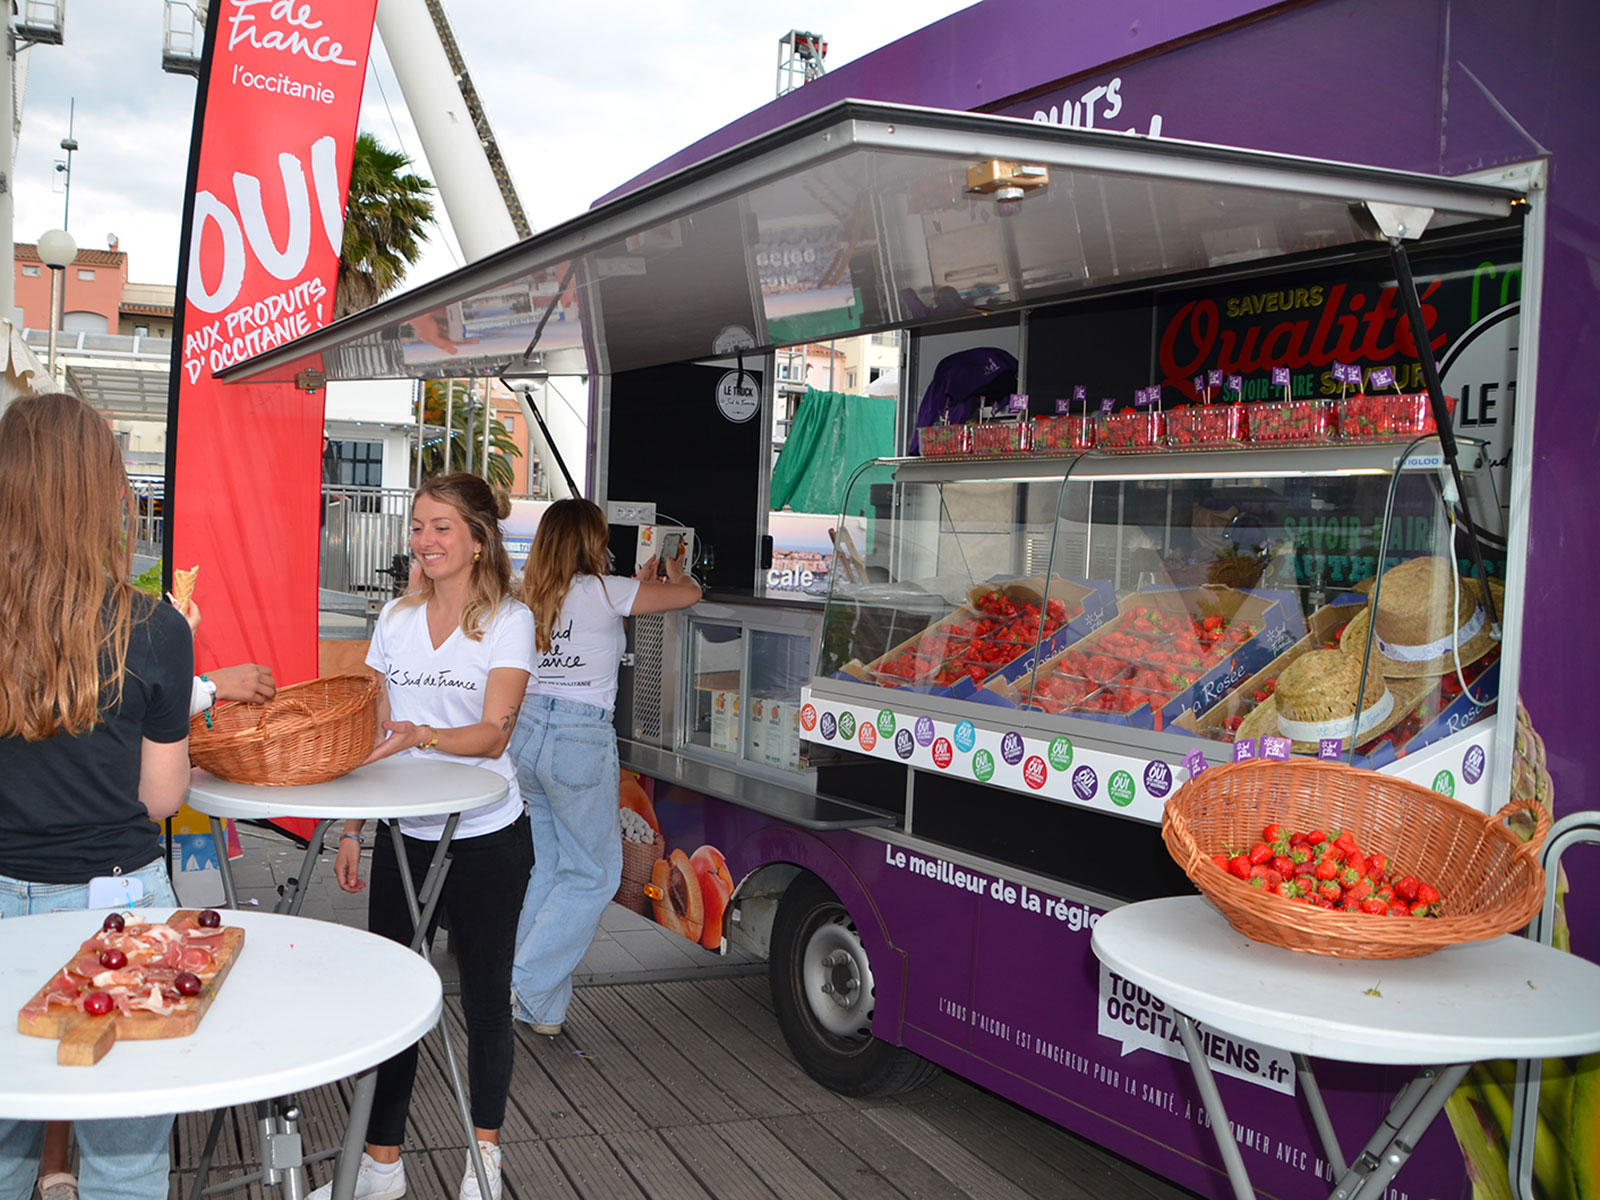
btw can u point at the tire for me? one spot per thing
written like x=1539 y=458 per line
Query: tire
x=823 y=992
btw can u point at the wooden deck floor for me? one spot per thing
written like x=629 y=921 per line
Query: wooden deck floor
x=685 y=1091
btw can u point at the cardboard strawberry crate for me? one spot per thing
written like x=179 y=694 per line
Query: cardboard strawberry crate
x=1272 y=620
x=969 y=636
x=1218 y=720
x=1008 y=694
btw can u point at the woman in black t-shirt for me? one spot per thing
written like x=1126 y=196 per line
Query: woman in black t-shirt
x=94 y=727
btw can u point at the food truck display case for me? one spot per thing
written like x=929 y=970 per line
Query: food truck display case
x=923 y=862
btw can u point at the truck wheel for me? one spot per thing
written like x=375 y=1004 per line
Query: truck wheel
x=823 y=991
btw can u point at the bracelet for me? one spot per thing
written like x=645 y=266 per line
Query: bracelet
x=213 y=704
x=431 y=742
x=354 y=837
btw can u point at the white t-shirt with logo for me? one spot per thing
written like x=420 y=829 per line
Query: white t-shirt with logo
x=444 y=688
x=587 y=642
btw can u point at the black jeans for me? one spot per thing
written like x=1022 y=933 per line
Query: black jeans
x=483 y=897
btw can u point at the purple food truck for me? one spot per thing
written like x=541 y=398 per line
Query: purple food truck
x=1185 y=251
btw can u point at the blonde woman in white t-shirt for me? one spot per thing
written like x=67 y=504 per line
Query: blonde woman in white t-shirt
x=566 y=748
x=455 y=653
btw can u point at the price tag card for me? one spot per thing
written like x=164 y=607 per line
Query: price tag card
x=1199 y=384
x=1244 y=749
x=1080 y=393
x=1236 y=384
x=1330 y=749
x=1280 y=376
x=1195 y=762
x=1108 y=404
x=1017 y=402
x=1382 y=377
x=1063 y=407
x=1214 y=378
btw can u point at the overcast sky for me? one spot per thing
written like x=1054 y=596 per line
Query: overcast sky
x=581 y=98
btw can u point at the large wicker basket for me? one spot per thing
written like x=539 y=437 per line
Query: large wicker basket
x=638 y=862
x=308 y=733
x=1489 y=879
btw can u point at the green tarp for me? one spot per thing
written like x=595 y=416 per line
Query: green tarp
x=831 y=436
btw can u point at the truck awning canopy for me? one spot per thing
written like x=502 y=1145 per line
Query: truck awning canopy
x=868 y=216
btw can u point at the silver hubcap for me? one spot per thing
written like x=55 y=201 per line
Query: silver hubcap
x=837 y=980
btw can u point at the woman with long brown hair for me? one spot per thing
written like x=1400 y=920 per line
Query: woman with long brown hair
x=454 y=652
x=566 y=748
x=95 y=680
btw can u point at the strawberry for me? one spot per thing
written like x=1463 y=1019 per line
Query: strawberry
x=1221 y=860
x=1399 y=910
x=1283 y=865
x=1357 y=862
x=1316 y=836
x=1427 y=894
x=1349 y=877
x=1374 y=906
x=1406 y=888
x=1240 y=865
x=1326 y=869
x=1260 y=853
x=1330 y=890
x=1272 y=833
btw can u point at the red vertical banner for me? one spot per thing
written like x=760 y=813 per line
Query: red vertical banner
x=269 y=167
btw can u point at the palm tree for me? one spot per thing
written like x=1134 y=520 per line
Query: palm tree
x=466 y=433
x=385 y=217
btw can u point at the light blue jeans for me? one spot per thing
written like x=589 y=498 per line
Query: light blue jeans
x=123 y=1159
x=566 y=756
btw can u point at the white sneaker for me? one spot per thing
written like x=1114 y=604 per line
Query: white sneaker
x=469 y=1181
x=371 y=1183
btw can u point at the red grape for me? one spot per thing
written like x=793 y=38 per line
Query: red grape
x=113 y=923
x=113 y=960
x=209 y=919
x=97 y=1004
x=187 y=983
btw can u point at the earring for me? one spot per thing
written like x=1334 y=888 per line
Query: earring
x=476 y=555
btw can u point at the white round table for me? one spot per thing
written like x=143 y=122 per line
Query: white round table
x=1504 y=998
x=403 y=786
x=296 y=1011
x=394 y=788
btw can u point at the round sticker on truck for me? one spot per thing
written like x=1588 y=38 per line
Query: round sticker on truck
x=738 y=396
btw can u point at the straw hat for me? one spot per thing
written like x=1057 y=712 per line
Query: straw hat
x=1425 y=621
x=1315 y=699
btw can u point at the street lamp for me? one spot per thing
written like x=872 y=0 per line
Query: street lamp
x=57 y=251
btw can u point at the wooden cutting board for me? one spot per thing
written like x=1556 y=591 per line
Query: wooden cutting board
x=86 y=1039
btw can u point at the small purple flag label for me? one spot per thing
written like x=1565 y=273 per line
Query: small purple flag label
x=1382 y=377
x=1331 y=749
x=1108 y=404
x=1195 y=762
x=1342 y=373
x=1244 y=749
x=1017 y=402
x=1236 y=384
x=1280 y=376
x=1199 y=384
x=1080 y=393
x=1276 y=748
x=1063 y=406
x=1214 y=378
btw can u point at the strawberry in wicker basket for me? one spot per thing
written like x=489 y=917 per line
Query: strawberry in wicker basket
x=308 y=733
x=1490 y=880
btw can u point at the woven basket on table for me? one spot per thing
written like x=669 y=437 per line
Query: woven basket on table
x=1489 y=880
x=638 y=861
x=308 y=733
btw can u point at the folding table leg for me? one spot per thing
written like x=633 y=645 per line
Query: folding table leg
x=219 y=839
x=203 y=1167
x=422 y=903
x=1319 y=1114
x=1212 y=1099
x=355 y=1136
x=293 y=893
x=1391 y=1145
